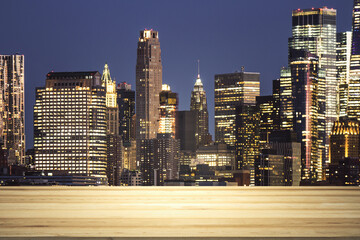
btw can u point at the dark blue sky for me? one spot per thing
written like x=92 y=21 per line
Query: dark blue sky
x=82 y=35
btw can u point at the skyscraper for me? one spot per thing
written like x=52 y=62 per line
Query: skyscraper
x=148 y=88
x=126 y=104
x=308 y=94
x=12 y=114
x=168 y=108
x=231 y=91
x=314 y=30
x=343 y=55
x=70 y=124
x=354 y=84
x=148 y=84
x=112 y=120
x=198 y=104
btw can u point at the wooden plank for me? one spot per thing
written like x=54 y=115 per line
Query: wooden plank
x=249 y=212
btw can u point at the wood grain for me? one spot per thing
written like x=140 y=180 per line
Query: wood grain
x=180 y=212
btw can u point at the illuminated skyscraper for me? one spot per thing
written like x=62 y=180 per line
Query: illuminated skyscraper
x=231 y=91
x=12 y=109
x=70 y=124
x=148 y=84
x=198 y=104
x=148 y=88
x=308 y=94
x=113 y=138
x=354 y=84
x=343 y=54
x=314 y=30
x=168 y=109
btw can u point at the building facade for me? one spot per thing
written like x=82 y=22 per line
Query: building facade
x=70 y=124
x=232 y=90
x=12 y=108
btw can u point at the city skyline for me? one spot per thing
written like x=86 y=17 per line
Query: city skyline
x=45 y=44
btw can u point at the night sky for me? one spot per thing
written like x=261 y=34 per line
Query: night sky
x=83 y=35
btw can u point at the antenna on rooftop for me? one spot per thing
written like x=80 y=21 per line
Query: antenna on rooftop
x=198 y=68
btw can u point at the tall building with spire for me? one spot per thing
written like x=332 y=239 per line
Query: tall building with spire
x=314 y=30
x=354 y=84
x=198 y=105
x=112 y=126
x=148 y=88
x=12 y=114
x=148 y=84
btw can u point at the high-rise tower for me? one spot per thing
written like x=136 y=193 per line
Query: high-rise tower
x=354 y=84
x=148 y=84
x=314 y=30
x=12 y=114
x=198 y=104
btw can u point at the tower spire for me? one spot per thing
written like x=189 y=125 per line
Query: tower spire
x=198 y=68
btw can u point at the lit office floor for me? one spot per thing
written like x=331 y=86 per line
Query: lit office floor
x=180 y=212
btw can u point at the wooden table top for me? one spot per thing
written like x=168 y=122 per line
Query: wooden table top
x=248 y=212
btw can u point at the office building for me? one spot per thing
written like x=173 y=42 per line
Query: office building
x=168 y=108
x=231 y=91
x=198 y=104
x=343 y=55
x=354 y=84
x=308 y=94
x=314 y=30
x=148 y=84
x=12 y=108
x=70 y=124
x=126 y=105
x=247 y=139
x=129 y=155
x=148 y=88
